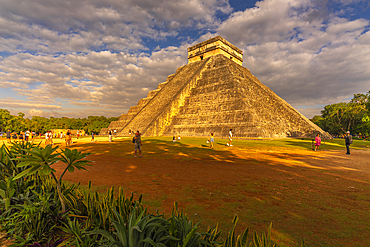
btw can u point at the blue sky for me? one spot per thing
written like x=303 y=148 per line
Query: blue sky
x=78 y=58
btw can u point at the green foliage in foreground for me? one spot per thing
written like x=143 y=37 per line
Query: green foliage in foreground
x=33 y=202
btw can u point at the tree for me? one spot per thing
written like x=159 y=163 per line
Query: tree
x=41 y=124
x=341 y=117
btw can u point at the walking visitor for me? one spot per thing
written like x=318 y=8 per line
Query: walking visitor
x=230 y=138
x=26 y=135
x=137 y=141
x=68 y=138
x=8 y=136
x=51 y=137
x=20 y=136
x=317 y=142
x=212 y=140
x=348 y=141
x=110 y=135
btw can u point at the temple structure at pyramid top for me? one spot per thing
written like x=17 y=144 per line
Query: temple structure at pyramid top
x=212 y=47
x=214 y=93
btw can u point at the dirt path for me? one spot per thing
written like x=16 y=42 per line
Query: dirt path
x=130 y=172
x=296 y=189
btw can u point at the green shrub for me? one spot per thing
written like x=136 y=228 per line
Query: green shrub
x=35 y=221
x=99 y=208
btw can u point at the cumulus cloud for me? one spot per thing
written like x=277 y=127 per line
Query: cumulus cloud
x=63 y=26
x=105 y=80
x=306 y=61
x=93 y=57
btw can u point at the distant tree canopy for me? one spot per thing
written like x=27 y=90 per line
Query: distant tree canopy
x=353 y=116
x=41 y=124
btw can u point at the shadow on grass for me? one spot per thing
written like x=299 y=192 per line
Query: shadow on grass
x=286 y=183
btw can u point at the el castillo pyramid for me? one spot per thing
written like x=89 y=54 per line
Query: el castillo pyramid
x=214 y=93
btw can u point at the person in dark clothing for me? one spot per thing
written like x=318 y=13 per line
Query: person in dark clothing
x=348 y=140
x=8 y=136
x=20 y=136
x=137 y=141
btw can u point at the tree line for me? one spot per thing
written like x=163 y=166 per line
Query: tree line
x=18 y=123
x=353 y=116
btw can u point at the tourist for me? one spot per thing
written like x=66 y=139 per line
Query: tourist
x=110 y=135
x=68 y=138
x=317 y=142
x=14 y=136
x=348 y=141
x=92 y=136
x=8 y=136
x=26 y=135
x=211 y=140
x=31 y=137
x=47 y=138
x=230 y=138
x=137 y=141
x=51 y=137
x=115 y=133
x=20 y=136
x=78 y=134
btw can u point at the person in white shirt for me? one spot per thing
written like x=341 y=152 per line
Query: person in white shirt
x=230 y=138
x=47 y=138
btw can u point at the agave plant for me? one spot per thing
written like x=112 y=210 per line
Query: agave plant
x=99 y=208
x=139 y=231
x=7 y=190
x=242 y=240
x=79 y=236
x=146 y=230
x=36 y=220
x=186 y=234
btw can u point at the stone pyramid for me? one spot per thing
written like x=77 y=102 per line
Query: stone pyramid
x=214 y=93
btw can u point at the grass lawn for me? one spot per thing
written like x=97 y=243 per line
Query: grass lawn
x=320 y=197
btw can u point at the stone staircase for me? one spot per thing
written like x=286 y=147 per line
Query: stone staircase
x=214 y=105
x=159 y=106
x=133 y=111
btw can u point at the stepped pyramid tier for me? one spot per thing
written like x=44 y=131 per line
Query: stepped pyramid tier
x=214 y=46
x=214 y=93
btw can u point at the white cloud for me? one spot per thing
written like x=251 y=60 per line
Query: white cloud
x=305 y=62
x=65 y=26
x=103 y=78
x=35 y=112
x=93 y=57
